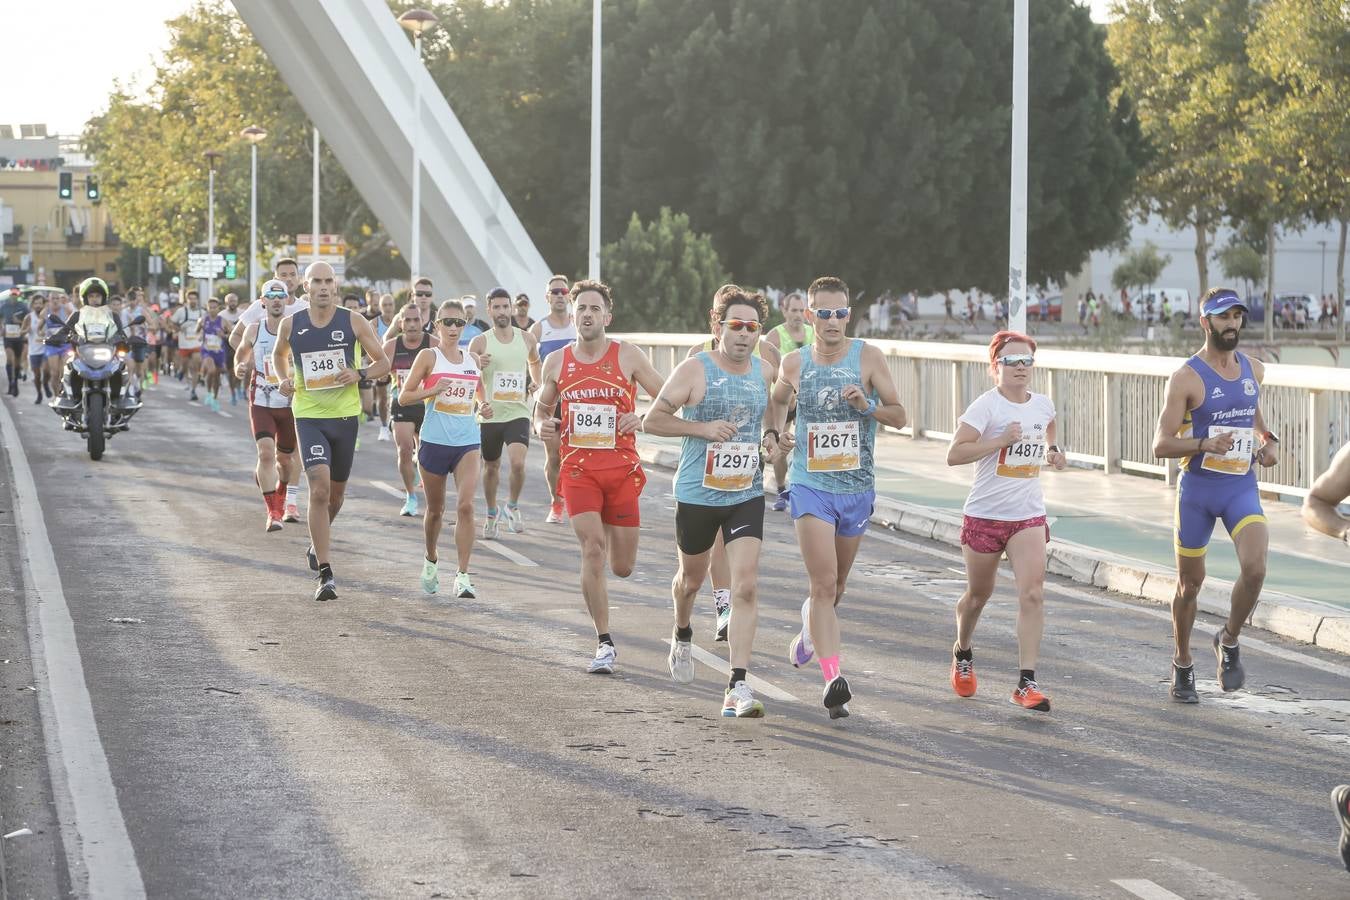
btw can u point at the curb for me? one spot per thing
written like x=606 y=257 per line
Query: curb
x=1309 y=621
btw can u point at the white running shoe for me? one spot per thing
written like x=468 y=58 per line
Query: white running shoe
x=489 y=527
x=384 y=433
x=431 y=579
x=603 y=664
x=515 y=522
x=740 y=703
x=555 y=513
x=801 y=650
x=722 y=609
x=681 y=660
x=463 y=586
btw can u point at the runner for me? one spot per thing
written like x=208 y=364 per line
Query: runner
x=1321 y=506
x=269 y=411
x=422 y=293
x=139 y=351
x=553 y=332
x=447 y=379
x=787 y=337
x=385 y=312
x=213 y=333
x=59 y=310
x=286 y=271
x=843 y=389
x=13 y=311
x=402 y=352
x=476 y=325
x=230 y=316
x=34 y=326
x=719 y=488
x=1211 y=420
x=1009 y=433
x=327 y=405
x=522 y=318
x=505 y=354
x=186 y=326
x=601 y=477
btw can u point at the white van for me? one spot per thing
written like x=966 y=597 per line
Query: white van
x=1178 y=299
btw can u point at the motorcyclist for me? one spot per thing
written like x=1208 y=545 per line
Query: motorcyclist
x=93 y=295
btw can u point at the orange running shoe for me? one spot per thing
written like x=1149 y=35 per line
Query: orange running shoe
x=963 y=677
x=1029 y=696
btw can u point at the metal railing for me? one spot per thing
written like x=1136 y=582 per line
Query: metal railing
x=1107 y=403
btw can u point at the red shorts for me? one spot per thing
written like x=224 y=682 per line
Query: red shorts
x=276 y=423
x=992 y=536
x=186 y=353
x=613 y=493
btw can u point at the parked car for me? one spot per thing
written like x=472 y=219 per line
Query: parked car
x=1178 y=299
x=1054 y=304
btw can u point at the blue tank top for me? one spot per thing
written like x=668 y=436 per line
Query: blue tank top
x=449 y=419
x=1228 y=406
x=728 y=475
x=834 y=440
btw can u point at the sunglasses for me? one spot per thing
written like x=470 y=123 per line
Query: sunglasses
x=557 y=292
x=421 y=293
x=1020 y=359
x=453 y=322
x=276 y=295
x=742 y=325
x=825 y=315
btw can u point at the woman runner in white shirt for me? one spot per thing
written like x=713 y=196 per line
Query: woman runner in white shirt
x=1009 y=433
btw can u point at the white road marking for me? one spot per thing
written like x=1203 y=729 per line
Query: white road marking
x=389 y=489
x=99 y=855
x=719 y=665
x=1145 y=889
x=501 y=549
x=224 y=413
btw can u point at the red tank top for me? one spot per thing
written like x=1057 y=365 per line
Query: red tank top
x=593 y=396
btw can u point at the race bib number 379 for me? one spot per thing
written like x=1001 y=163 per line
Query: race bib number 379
x=508 y=387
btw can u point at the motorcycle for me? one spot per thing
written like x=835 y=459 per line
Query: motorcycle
x=96 y=400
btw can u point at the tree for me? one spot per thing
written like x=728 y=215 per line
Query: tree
x=663 y=275
x=1140 y=268
x=1242 y=262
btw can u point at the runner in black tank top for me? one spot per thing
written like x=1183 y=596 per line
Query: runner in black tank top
x=406 y=421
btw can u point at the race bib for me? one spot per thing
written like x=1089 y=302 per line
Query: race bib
x=13 y=331
x=832 y=447
x=1237 y=461
x=456 y=396
x=730 y=466
x=1022 y=459
x=319 y=368
x=508 y=387
x=213 y=342
x=269 y=374
x=400 y=376
x=593 y=425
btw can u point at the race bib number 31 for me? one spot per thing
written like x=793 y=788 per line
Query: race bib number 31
x=593 y=425
x=1022 y=460
x=508 y=387
x=1237 y=461
x=320 y=368
x=456 y=396
x=832 y=447
x=730 y=466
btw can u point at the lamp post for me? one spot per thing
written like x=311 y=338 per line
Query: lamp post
x=1017 y=201
x=416 y=21
x=253 y=134
x=211 y=157
x=1323 y=292
x=593 y=254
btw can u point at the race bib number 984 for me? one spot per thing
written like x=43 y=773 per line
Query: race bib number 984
x=593 y=425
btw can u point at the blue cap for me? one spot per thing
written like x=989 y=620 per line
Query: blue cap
x=1221 y=301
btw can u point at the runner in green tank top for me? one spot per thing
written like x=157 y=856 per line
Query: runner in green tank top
x=793 y=334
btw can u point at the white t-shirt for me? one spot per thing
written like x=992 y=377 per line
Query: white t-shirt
x=1007 y=484
x=257 y=311
x=189 y=338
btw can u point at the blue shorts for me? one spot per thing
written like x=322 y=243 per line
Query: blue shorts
x=441 y=459
x=848 y=513
x=216 y=356
x=1202 y=500
x=56 y=351
x=140 y=352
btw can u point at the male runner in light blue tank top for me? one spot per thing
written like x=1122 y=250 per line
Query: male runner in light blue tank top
x=554 y=332
x=719 y=487
x=1211 y=420
x=843 y=388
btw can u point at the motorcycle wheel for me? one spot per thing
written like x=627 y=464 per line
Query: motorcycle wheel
x=94 y=420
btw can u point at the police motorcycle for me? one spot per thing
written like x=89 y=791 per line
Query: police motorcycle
x=96 y=400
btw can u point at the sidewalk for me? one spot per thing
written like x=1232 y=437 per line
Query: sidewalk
x=1116 y=532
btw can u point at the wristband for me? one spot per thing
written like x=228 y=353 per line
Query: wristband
x=1270 y=437
x=871 y=408
x=770 y=431
x=1053 y=448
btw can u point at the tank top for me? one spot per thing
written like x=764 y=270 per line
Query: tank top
x=404 y=357
x=551 y=337
x=834 y=440
x=318 y=353
x=264 y=390
x=36 y=326
x=449 y=419
x=785 y=342
x=505 y=376
x=727 y=472
x=1228 y=406
x=213 y=334
x=593 y=396
x=380 y=327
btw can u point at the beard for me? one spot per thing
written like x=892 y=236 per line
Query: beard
x=1224 y=342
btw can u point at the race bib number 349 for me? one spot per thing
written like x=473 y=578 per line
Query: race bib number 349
x=730 y=466
x=456 y=396
x=320 y=368
x=593 y=425
x=832 y=447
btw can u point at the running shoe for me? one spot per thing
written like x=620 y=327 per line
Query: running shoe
x=963 y=676
x=780 y=502
x=384 y=433
x=1029 y=696
x=836 y=697
x=431 y=578
x=1340 y=796
x=327 y=590
x=515 y=522
x=292 y=513
x=463 y=586
x=1231 y=674
x=740 y=703
x=313 y=560
x=603 y=664
x=193 y=398
x=489 y=526
x=555 y=513
x=723 y=621
x=272 y=523
x=409 y=506
x=1183 y=684
x=800 y=651
x=681 y=660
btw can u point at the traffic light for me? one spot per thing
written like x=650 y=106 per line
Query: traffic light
x=67 y=186
x=91 y=189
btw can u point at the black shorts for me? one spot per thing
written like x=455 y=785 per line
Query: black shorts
x=328 y=442
x=15 y=345
x=365 y=384
x=696 y=526
x=496 y=434
x=414 y=414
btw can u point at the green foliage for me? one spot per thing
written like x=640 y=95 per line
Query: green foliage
x=663 y=275
x=1241 y=262
x=1140 y=267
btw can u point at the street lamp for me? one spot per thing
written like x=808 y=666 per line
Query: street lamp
x=253 y=134
x=416 y=21
x=1323 y=292
x=211 y=157
x=593 y=248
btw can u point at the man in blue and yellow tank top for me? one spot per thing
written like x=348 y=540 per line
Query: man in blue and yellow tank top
x=1211 y=421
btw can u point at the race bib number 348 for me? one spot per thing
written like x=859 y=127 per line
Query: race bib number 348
x=832 y=447
x=320 y=368
x=593 y=425
x=730 y=466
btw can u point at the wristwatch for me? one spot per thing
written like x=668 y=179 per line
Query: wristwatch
x=361 y=373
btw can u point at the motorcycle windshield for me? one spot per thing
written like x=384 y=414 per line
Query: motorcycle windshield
x=96 y=325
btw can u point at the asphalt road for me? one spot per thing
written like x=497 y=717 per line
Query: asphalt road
x=391 y=744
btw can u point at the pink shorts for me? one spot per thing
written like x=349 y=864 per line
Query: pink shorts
x=992 y=536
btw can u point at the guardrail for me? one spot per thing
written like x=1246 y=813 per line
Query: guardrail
x=1107 y=403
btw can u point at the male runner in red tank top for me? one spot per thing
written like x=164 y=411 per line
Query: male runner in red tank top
x=601 y=478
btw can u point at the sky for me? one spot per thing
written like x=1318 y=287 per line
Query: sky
x=123 y=38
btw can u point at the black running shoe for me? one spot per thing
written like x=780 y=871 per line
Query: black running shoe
x=837 y=696
x=313 y=560
x=1231 y=674
x=327 y=589
x=1340 y=796
x=1183 y=684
